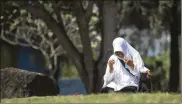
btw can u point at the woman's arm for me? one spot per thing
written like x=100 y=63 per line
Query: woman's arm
x=109 y=74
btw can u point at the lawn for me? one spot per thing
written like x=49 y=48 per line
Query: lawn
x=102 y=98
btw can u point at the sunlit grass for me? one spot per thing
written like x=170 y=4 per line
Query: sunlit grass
x=102 y=98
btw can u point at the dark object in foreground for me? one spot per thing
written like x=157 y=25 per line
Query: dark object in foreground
x=17 y=83
x=145 y=84
x=128 y=89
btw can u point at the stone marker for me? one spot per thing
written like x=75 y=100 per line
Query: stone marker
x=16 y=83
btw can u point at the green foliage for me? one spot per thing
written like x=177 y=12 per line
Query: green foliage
x=164 y=58
x=160 y=74
x=102 y=98
x=69 y=71
x=155 y=15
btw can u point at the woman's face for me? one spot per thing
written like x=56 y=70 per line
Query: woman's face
x=120 y=54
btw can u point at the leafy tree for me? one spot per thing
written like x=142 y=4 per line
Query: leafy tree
x=158 y=15
x=73 y=27
x=90 y=70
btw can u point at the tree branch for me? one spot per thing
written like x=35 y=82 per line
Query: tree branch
x=56 y=8
x=61 y=24
x=101 y=52
x=89 y=9
x=84 y=33
x=56 y=28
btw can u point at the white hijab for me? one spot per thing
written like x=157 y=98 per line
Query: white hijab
x=119 y=44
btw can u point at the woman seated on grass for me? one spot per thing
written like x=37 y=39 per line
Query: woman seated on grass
x=124 y=69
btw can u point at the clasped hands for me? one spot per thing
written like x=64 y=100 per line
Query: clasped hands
x=129 y=62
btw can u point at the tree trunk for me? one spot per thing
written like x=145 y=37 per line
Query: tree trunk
x=96 y=69
x=174 y=55
x=90 y=72
x=83 y=20
x=108 y=10
x=60 y=32
x=56 y=68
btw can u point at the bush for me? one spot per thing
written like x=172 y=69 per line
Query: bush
x=159 y=67
x=69 y=71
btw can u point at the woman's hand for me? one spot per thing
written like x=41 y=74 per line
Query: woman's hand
x=129 y=62
x=148 y=74
x=111 y=63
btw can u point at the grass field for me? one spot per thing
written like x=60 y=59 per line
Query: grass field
x=102 y=98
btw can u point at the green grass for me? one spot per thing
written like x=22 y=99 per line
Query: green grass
x=102 y=98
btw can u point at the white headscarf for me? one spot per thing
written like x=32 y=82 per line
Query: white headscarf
x=119 y=44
